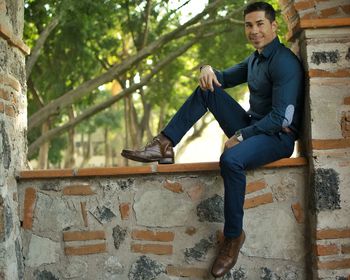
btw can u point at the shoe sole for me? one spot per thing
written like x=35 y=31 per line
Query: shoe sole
x=139 y=159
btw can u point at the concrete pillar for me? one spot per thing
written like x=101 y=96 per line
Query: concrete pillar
x=13 y=123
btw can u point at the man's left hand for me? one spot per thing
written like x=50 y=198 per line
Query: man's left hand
x=231 y=142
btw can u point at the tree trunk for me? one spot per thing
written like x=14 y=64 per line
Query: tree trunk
x=69 y=158
x=108 y=152
x=87 y=148
x=44 y=149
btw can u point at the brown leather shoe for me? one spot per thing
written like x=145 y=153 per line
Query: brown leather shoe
x=228 y=255
x=159 y=149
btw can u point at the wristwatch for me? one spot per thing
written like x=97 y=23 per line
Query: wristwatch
x=239 y=136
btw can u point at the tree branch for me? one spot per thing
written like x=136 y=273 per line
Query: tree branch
x=72 y=96
x=32 y=59
x=97 y=108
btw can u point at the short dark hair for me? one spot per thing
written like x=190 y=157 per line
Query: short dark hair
x=270 y=12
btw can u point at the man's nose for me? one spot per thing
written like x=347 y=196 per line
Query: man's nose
x=254 y=29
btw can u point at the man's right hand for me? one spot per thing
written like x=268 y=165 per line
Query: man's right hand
x=207 y=78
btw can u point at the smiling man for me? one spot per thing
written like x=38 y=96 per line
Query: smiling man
x=262 y=135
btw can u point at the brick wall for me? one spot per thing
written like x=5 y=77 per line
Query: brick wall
x=160 y=225
x=12 y=134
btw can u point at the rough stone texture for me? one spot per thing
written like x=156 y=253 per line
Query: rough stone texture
x=199 y=251
x=211 y=209
x=145 y=269
x=113 y=268
x=42 y=251
x=236 y=274
x=75 y=269
x=5 y=149
x=174 y=208
x=12 y=140
x=103 y=214
x=273 y=232
x=44 y=275
x=267 y=274
x=325 y=57
x=326 y=189
x=118 y=235
x=54 y=214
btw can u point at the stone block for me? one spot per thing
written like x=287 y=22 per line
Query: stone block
x=211 y=209
x=162 y=208
x=326 y=189
x=42 y=251
x=199 y=251
x=75 y=269
x=118 y=235
x=145 y=269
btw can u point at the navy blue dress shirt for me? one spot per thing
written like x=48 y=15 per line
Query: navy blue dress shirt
x=276 y=83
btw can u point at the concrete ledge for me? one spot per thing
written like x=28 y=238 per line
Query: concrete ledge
x=148 y=169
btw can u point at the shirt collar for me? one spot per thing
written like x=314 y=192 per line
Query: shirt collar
x=267 y=51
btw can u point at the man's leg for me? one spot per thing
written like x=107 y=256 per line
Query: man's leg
x=251 y=153
x=230 y=115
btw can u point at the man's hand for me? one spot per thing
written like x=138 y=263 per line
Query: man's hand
x=207 y=78
x=231 y=142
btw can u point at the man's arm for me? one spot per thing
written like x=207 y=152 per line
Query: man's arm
x=228 y=78
x=287 y=77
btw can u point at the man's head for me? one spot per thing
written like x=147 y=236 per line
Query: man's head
x=260 y=24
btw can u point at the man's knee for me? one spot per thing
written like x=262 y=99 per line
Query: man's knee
x=230 y=161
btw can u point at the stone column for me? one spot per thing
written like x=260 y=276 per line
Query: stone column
x=320 y=32
x=13 y=123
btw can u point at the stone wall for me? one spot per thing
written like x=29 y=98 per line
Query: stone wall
x=13 y=121
x=160 y=226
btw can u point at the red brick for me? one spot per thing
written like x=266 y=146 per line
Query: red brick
x=325 y=22
x=325 y=250
x=304 y=5
x=186 y=271
x=195 y=193
x=83 y=235
x=85 y=250
x=258 y=200
x=4 y=95
x=124 y=209
x=345 y=249
x=78 y=190
x=339 y=264
x=255 y=186
x=173 y=186
x=323 y=144
x=333 y=233
x=298 y=212
x=10 y=111
x=156 y=249
x=28 y=208
x=289 y=13
x=191 y=231
x=2 y=107
x=345 y=8
x=84 y=213
x=328 y=12
x=163 y=236
x=8 y=80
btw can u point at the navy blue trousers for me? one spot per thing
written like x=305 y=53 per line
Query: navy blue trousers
x=250 y=153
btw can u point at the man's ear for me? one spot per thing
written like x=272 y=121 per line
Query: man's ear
x=274 y=26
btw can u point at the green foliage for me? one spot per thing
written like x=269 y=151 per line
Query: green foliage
x=93 y=35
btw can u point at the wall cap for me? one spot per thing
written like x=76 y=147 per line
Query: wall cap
x=147 y=169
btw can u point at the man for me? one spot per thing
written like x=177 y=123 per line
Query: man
x=263 y=134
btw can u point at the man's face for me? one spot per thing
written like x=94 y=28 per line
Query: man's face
x=259 y=30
